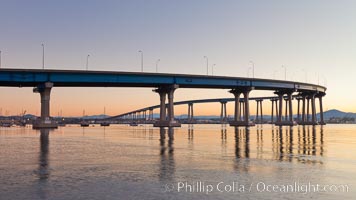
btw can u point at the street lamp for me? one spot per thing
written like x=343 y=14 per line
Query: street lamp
x=207 y=65
x=140 y=51
x=157 y=64
x=212 y=69
x=253 y=69
x=248 y=72
x=43 y=56
x=285 y=72
x=87 y=62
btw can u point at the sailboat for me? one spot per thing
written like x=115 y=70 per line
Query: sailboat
x=61 y=121
x=104 y=123
x=84 y=123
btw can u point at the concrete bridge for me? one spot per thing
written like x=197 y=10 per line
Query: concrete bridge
x=141 y=114
x=165 y=84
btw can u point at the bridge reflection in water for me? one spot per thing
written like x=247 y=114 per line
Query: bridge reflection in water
x=43 y=165
x=286 y=145
x=302 y=144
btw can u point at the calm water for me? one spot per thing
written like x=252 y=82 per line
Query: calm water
x=206 y=161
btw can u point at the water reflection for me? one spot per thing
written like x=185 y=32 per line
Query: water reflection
x=259 y=143
x=190 y=136
x=43 y=168
x=310 y=145
x=285 y=148
x=242 y=139
x=223 y=140
x=242 y=149
x=43 y=171
x=150 y=133
x=167 y=164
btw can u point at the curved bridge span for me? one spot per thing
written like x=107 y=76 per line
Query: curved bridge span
x=165 y=85
x=142 y=116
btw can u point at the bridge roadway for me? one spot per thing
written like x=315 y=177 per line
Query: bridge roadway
x=44 y=80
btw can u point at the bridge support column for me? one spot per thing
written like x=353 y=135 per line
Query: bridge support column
x=280 y=100
x=240 y=111
x=303 y=108
x=166 y=120
x=257 y=110
x=45 y=120
x=314 y=121
x=288 y=110
x=298 y=109
x=223 y=113
x=321 y=111
x=259 y=115
x=308 y=106
x=274 y=105
x=290 y=99
x=277 y=113
x=272 y=101
x=150 y=114
x=190 y=114
x=308 y=119
x=237 y=120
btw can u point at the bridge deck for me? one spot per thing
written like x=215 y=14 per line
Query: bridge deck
x=80 y=78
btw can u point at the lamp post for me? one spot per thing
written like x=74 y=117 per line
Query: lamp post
x=140 y=51
x=157 y=64
x=285 y=72
x=207 y=65
x=43 y=56
x=248 y=72
x=212 y=69
x=87 y=62
x=253 y=69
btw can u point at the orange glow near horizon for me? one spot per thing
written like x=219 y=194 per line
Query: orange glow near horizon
x=72 y=101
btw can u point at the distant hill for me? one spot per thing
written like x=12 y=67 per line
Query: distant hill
x=102 y=116
x=29 y=116
x=337 y=113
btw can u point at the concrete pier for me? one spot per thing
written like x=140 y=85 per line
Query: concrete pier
x=166 y=120
x=223 y=113
x=321 y=111
x=259 y=113
x=190 y=119
x=45 y=120
x=274 y=103
x=310 y=118
x=288 y=120
x=246 y=119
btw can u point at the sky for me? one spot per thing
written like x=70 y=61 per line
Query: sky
x=314 y=40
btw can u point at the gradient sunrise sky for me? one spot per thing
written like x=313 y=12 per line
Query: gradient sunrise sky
x=312 y=38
